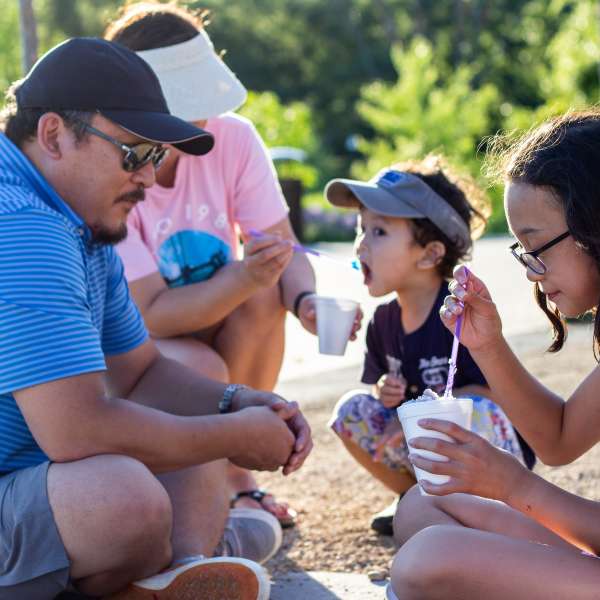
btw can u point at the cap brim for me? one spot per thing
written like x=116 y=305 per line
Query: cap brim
x=163 y=128
x=350 y=193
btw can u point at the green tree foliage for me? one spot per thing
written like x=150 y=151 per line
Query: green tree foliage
x=459 y=70
x=10 y=48
x=422 y=113
x=568 y=72
x=288 y=126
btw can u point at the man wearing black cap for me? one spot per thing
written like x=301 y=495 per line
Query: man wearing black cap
x=99 y=486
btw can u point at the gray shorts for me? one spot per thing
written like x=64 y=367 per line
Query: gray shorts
x=33 y=561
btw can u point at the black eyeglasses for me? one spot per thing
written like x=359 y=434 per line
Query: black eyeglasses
x=136 y=156
x=530 y=260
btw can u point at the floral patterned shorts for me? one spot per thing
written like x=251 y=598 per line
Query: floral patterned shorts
x=361 y=418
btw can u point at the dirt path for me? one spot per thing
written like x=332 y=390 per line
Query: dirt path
x=335 y=498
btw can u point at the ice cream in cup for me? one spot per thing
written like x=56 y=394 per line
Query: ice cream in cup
x=430 y=405
x=335 y=317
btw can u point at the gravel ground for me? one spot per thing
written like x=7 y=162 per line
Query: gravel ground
x=335 y=497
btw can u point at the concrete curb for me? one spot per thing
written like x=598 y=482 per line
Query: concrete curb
x=321 y=585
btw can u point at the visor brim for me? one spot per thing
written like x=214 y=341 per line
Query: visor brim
x=349 y=193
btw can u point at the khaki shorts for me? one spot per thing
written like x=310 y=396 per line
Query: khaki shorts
x=33 y=561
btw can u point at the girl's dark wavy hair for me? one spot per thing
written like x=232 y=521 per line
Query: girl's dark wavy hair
x=462 y=193
x=562 y=155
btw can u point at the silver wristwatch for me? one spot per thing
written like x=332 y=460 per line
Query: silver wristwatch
x=227 y=400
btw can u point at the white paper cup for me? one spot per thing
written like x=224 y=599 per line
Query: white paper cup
x=335 y=317
x=457 y=411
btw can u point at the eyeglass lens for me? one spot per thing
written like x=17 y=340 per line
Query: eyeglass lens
x=141 y=154
x=533 y=263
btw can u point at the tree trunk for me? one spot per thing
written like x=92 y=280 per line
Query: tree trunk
x=29 y=40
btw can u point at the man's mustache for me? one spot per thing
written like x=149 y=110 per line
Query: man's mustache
x=136 y=196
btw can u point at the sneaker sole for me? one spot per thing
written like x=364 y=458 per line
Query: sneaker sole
x=212 y=579
x=260 y=514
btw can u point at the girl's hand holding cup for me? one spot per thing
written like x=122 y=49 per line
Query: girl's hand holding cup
x=474 y=465
x=481 y=326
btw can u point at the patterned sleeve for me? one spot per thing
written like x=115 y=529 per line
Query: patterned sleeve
x=123 y=327
x=46 y=326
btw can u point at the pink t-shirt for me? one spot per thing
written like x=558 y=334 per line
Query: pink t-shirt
x=189 y=231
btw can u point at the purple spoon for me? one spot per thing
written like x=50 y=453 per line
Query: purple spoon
x=454 y=354
x=355 y=264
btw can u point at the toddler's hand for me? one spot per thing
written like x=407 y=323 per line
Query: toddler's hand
x=392 y=436
x=391 y=390
x=307 y=314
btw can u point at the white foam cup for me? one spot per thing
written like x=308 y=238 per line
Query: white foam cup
x=335 y=317
x=457 y=411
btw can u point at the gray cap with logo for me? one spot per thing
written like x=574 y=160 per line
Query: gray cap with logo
x=398 y=194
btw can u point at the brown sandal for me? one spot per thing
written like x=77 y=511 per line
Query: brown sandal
x=286 y=521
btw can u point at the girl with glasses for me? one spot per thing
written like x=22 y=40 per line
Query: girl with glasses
x=508 y=533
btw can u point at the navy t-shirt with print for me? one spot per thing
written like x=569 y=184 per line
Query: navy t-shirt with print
x=423 y=355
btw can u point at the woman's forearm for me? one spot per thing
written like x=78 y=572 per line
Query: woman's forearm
x=190 y=308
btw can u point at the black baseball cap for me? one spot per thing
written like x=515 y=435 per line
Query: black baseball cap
x=91 y=74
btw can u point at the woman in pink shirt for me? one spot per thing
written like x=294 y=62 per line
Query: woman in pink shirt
x=208 y=306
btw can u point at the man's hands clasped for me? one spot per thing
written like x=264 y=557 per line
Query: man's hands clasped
x=278 y=434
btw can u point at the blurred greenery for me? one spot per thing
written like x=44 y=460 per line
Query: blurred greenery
x=359 y=84
x=286 y=125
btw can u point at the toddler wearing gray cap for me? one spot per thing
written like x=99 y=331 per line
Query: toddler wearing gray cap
x=416 y=224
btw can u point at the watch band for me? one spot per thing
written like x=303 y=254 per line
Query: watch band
x=225 y=403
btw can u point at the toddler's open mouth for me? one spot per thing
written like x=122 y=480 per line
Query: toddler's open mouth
x=366 y=271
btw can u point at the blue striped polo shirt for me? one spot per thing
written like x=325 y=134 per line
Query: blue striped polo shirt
x=64 y=302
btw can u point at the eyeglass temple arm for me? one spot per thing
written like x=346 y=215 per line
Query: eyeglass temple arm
x=106 y=137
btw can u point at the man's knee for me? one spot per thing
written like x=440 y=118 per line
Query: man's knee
x=118 y=499
x=197 y=355
x=211 y=364
x=264 y=309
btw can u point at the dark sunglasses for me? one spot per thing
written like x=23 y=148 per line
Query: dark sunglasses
x=530 y=260
x=136 y=156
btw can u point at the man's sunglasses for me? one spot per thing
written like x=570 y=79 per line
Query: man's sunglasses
x=530 y=260
x=136 y=156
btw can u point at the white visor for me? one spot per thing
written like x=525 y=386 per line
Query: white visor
x=196 y=83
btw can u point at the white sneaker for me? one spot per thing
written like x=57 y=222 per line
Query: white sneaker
x=250 y=533
x=204 y=579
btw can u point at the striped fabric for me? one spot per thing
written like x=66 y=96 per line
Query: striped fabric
x=64 y=303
